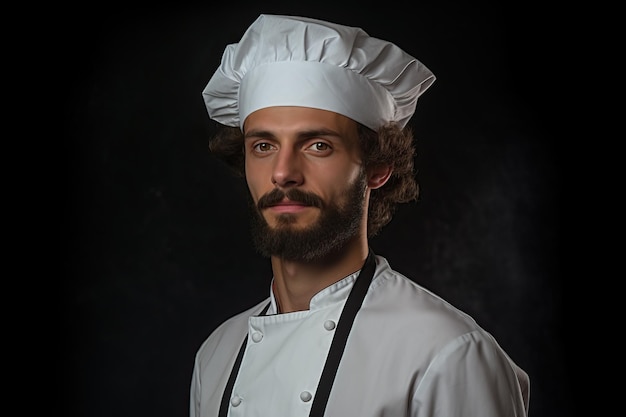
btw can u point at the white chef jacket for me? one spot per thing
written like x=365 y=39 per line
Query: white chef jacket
x=409 y=353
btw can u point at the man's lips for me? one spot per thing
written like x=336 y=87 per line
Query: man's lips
x=291 y=200
x=288 y=206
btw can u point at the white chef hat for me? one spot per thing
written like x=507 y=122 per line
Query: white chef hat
x=296 y=61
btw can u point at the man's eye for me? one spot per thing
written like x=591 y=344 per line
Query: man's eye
x=320 y=146
x=262 y=147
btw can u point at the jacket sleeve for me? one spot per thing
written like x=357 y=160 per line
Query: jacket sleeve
x=194 y=392
x=472 y=377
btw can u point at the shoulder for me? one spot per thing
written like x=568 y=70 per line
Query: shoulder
x=487 y=370
x=228 y=335
x=425 y=332
x=412 y=309
x=214 y=360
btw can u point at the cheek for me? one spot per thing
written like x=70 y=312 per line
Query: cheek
x=355 y=173
x=349 y=175
x=334 y=184
x=255 y=184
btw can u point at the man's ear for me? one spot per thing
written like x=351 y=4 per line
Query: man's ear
x=377 y=176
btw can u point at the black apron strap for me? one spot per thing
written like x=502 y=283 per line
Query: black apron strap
x=348 y=314
x=233 y=373
x=350 y=310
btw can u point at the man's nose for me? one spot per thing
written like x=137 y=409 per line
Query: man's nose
x=287 y=170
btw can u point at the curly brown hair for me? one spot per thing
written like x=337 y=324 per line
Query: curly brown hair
x=390 y=145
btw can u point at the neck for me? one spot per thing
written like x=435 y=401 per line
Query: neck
x=295 y=283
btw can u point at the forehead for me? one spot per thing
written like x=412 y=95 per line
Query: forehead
x=294 y=119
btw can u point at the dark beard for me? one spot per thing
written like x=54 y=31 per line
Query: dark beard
x=325 y=239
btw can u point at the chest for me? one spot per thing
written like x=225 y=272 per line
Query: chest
x=283 y=362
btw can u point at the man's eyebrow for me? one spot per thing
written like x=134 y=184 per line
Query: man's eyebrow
x=318 y=132
x=305 y=134
x=254 y=133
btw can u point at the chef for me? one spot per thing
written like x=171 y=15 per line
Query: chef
x=314 y=116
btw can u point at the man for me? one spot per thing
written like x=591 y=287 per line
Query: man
x=315 y=117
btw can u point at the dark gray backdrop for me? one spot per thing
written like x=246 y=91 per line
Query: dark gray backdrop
x=157 y=251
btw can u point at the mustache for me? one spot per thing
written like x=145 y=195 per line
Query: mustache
x=277 y=195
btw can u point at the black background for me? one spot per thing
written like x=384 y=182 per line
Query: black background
x=155 y=245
